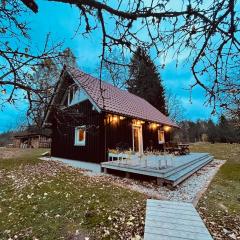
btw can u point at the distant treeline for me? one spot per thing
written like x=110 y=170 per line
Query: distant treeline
x=224 y=131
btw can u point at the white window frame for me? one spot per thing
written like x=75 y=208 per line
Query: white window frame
x=161 y=141
x=76 y=141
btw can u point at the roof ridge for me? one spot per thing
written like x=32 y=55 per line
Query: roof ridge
x=118 y=100
x=95 y=78
x=108 y=83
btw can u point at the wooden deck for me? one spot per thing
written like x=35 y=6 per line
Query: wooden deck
x=169 y=220
x=167 y=169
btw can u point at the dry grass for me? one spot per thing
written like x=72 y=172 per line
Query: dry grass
x=49 y=200
x=220 y=205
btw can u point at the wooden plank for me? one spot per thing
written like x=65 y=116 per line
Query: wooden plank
x=157 y=202
x=173 y=210
x=164 y=203
x=161 y=213
x=153 y=236
x=147 y=172
x=167 y=207
x=185 y=223
x=185 y=165
x=190 y=169
x=178 y=233
x=183 y=177
x=181 y=222
x=179 y=226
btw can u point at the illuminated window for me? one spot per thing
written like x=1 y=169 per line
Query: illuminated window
x=161 y=138
x=80 y=136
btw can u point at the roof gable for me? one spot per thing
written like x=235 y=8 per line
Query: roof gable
x=112 y=99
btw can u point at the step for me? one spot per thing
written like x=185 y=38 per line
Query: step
x=179 y=168
x=190 y=168
x=185 y=173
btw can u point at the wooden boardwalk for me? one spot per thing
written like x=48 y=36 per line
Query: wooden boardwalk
x=169 y=220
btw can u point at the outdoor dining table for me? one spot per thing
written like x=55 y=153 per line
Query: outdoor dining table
x=179 y=149
x=184 y=148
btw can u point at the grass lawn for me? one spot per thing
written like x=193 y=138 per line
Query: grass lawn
x=47 y=200
x=220 y=205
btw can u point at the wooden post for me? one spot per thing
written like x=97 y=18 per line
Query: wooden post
x=159 y=182
x=127 y=175
x=159 y=162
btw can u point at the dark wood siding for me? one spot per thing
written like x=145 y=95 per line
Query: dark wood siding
x=119 y=134
x=64 y=133
x=150 y=137
x=100 y=136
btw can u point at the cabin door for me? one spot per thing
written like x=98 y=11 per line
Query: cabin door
x=137 y=139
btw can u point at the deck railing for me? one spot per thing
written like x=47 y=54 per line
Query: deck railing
x=156 y=160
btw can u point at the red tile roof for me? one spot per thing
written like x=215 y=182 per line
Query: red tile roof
x=118 y=101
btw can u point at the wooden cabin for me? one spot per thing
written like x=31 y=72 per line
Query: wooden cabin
x=89 y=118
x=33 y=138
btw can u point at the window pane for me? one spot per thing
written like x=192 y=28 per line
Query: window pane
x=81 y=135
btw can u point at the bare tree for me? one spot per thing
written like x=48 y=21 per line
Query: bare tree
x=46 y=76
x=17 y=59
x=116 y=68
x=174 y=107
x=204 y=33
x=230 y=98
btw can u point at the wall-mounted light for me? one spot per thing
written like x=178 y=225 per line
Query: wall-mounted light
x=137 y=122
x=115 y=118
x=3 y=91
x=154 y=125
x=166 y=128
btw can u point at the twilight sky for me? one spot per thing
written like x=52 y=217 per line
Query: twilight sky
x=62 y=21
